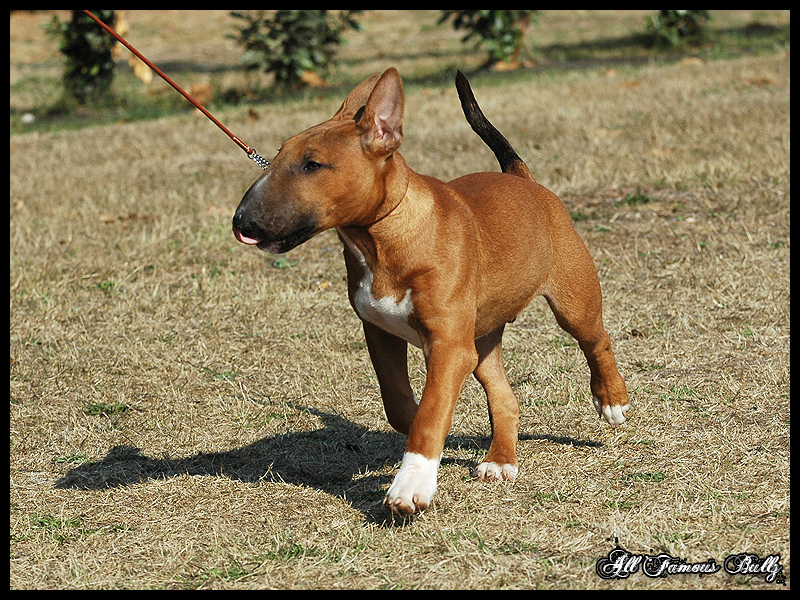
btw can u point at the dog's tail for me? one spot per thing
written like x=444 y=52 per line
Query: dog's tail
x=509 y=160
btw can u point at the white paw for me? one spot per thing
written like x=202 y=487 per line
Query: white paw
x=613 y=415
x=490 y=471
x=414 y=485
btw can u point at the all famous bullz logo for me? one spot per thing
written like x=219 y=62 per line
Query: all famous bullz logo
x=620 y=564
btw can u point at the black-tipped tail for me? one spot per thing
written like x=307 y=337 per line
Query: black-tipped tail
x=509 y=160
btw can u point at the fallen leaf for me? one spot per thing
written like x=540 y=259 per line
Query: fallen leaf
x=759 y=81
x=691 y=60
x=201 y=92
x=312 y=79
x=141 y=70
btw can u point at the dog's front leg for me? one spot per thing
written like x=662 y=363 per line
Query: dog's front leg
x=448 y=362
x=389 y=356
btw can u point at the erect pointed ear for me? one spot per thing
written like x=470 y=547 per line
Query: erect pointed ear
x=357 y=98
x=381 y=124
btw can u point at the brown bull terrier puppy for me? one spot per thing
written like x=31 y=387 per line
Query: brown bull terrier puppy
x=443 y=266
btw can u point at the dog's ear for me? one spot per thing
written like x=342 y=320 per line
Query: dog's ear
x=357 y=98
x=381 y=124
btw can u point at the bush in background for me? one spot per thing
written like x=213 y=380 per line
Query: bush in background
x=501 y=32
x=291 y=43
x=673 y=26
x=89 y=68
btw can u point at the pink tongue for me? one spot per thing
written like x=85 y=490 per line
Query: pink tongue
x=244 y=239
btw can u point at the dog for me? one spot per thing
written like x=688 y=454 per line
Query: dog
x=442 y=266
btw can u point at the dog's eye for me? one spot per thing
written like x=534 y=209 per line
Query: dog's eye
x=311 y=166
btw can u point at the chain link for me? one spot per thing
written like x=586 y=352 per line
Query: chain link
x=260 y=160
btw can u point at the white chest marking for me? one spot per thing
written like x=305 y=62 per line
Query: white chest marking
x=387 y=313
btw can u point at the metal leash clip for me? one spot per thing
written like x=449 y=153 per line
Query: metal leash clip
x=259 y=160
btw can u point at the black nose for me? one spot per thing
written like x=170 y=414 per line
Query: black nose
x=245 y=219
x=245 y=229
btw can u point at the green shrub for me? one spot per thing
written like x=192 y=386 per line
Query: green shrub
x=501 y=32
x=672 y=26
x=288 y=43
x=89 y=68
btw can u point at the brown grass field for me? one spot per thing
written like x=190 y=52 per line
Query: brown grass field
x=186 y=412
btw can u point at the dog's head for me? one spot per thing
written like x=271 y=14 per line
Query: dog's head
x=334 y=174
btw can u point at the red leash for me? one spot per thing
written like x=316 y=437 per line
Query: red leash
x=260 y=161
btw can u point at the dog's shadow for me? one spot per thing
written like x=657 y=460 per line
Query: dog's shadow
x=340 y=459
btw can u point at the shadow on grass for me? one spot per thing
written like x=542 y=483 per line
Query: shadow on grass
x=336 y=459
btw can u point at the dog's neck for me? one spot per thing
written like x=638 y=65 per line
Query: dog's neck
x=403 y=217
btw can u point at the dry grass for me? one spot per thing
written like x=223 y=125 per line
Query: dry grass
x=185 y=413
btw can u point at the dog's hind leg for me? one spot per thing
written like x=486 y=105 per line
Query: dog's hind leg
x=573 y=292
x=501 y=460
